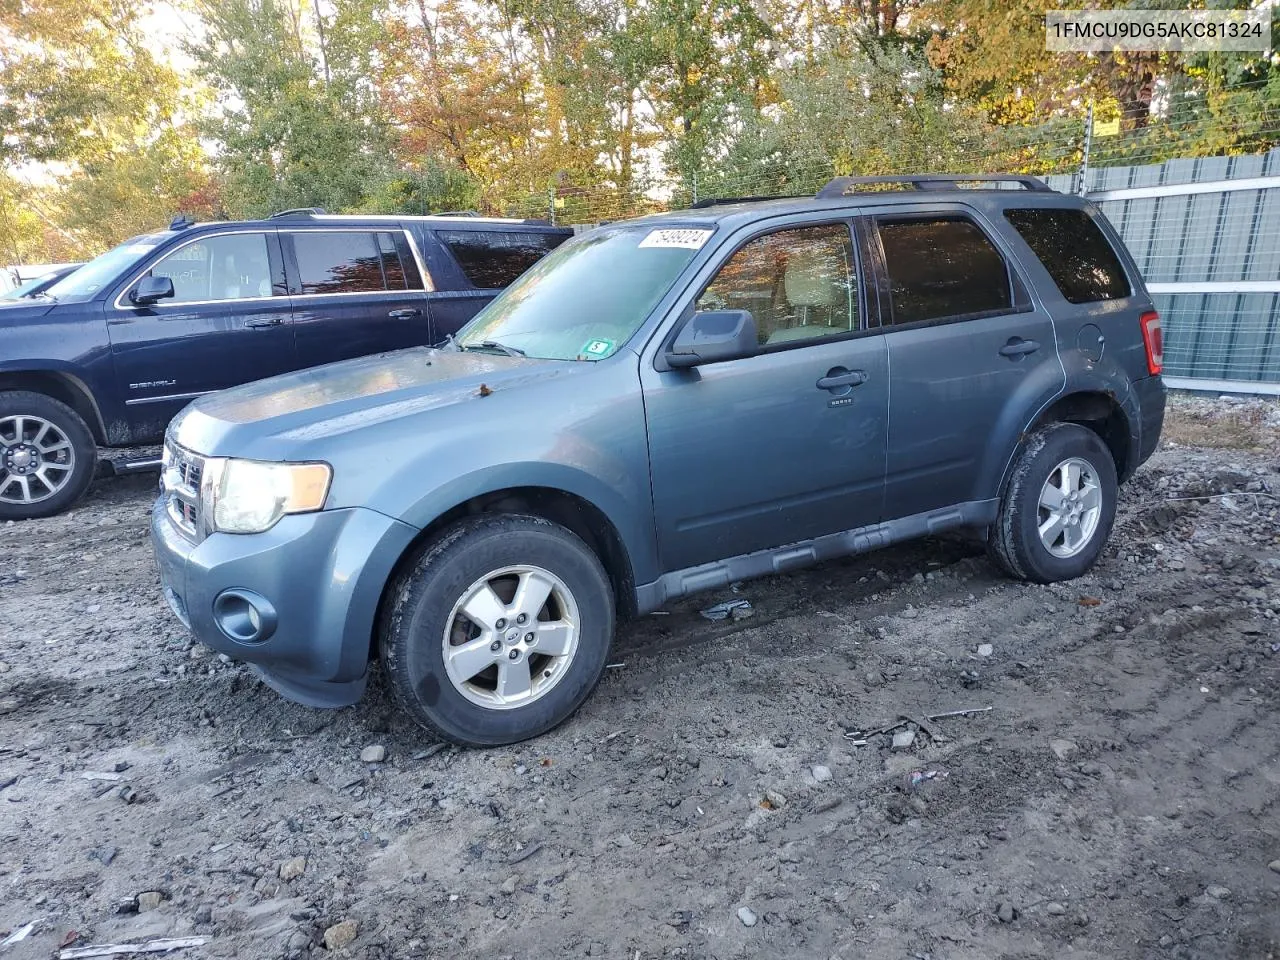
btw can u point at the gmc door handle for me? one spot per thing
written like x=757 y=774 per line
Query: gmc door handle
x=1017 y=347
x=404 y=314
x=258 y=323
x=850 y=378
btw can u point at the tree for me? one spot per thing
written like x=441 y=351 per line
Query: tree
x=290 y=128
x=92 y=114
x=854 y=110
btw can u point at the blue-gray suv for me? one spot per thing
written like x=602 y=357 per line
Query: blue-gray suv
x=663 y=406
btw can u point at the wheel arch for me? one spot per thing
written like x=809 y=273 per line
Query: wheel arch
x=63 y=386
x=570 y=510
x=1101 y=412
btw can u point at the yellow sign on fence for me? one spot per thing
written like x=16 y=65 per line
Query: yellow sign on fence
x=1106 y=128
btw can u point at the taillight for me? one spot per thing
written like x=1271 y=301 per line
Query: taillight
x=1153 y=340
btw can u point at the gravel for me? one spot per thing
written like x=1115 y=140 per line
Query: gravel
x=1169 y=792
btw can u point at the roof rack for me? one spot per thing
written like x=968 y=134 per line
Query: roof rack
x=718 y=201
x=298 y=212
x=840 y=186
x=456 y=213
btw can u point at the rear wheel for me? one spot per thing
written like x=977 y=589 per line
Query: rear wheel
x=47 y=456
x=499 y=630
x=1058 y=510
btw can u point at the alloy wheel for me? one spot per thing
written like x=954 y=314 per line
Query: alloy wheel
x=511 y=637
x=36 y=459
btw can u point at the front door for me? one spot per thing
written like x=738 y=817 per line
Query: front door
x=229 y=322
x=965 y=341
x=785 y=445
x=355 y=292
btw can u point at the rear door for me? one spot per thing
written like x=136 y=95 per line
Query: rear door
x=229 y=322
x=355 y=291
x=487 y=261
x=967 y=346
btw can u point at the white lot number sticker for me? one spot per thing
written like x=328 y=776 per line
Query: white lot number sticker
x=685 y=239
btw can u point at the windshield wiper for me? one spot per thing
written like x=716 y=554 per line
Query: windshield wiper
x=495 y=345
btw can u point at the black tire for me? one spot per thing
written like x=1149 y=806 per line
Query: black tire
x=424 y=597
x=68 y=485
x=1015 y=543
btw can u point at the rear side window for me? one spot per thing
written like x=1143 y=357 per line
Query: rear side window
x=1074 y=251
x=943 y=268
x=493 y=259
x=354 y=261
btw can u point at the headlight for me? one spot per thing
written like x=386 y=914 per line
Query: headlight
x=250 y=496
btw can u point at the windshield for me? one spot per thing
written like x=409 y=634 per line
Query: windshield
x=100 y=271
x=587 y=298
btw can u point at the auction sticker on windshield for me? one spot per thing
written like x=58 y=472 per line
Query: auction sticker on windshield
x=685 y=239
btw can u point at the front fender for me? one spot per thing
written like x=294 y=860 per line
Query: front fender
x=627 y=508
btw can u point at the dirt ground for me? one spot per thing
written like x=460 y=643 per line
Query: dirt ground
x=1119 y=799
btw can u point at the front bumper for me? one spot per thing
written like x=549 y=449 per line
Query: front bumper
x=322 y=574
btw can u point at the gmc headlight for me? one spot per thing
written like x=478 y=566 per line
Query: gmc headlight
x=250 y=496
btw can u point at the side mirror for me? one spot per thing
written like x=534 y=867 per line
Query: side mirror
x=151 y=290
x=714 y=335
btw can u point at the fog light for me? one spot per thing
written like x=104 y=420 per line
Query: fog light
x=244 y=616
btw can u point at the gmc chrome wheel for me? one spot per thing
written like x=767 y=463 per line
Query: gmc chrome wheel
x=37 y=459
x=511 y=637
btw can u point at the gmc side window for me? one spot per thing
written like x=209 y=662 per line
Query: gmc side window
x=231 y=266
x=942 y=268
x=492 y=259
x=1074 y=251
x=353 y=261
x=799 y=284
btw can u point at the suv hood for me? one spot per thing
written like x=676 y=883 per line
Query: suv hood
x=323 y=402
x=23 y=311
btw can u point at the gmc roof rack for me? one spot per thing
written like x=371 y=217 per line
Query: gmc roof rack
x=298 y=212
x=839 y=187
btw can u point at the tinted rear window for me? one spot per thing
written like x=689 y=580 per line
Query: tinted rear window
x=354 y=261
x=493 y=259
x=339 y=262
x=1074 y=251
x=944 y=267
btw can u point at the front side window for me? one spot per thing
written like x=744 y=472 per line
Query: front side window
x=1074 y=251
x=943 y=268
x=493 y=259
x=232 y=266
x=798 y=284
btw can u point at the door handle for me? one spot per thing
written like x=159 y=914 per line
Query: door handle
x=258 y=323
x=404 y=314
x=850 y=378
x=1017 y=347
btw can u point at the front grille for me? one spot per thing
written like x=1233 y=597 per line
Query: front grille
x=180 y=481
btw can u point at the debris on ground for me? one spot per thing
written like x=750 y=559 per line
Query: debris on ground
x=737 y=609
x=127 y=949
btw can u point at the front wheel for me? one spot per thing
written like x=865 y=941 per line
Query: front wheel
x=1058 y=509
x=47 y=456
x=498 y=630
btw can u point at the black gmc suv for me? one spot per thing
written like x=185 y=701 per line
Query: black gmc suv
x=107 y=356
